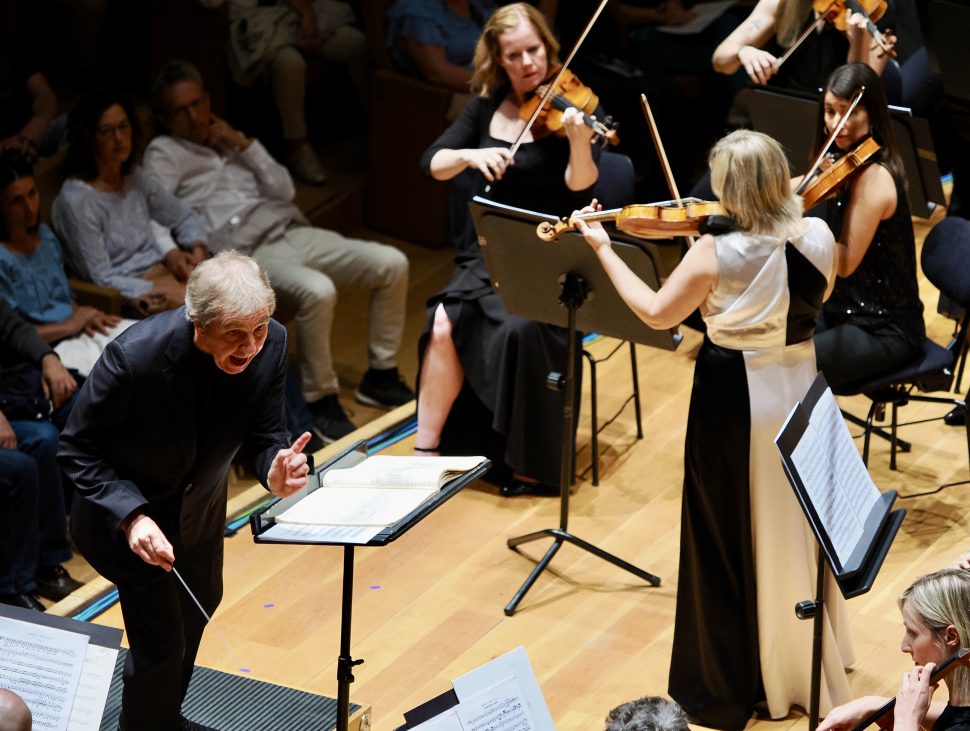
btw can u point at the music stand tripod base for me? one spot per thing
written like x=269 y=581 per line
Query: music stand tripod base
x=573 y=294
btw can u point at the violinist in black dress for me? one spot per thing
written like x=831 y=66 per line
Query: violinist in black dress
x=481 y=388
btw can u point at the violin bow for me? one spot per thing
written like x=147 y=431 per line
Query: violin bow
x=817 y=25
x=828 y=143
x=552 y=87
x=662 y=154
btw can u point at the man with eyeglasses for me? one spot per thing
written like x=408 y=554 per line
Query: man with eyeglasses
x=245 y=199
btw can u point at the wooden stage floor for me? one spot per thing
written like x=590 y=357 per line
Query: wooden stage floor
x=429 y=607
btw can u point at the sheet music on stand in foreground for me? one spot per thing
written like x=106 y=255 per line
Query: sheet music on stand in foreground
x=845 y=509
x=501 y=695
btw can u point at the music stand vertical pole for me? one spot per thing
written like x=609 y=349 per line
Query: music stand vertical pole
x=817 y=627
x=345 y=663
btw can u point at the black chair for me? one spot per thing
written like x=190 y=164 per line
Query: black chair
x=946 y=263
x=614 y=188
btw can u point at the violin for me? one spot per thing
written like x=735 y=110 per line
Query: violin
x=663 y=220
x=958 y=658
x=833 y=173
x=834 y=13
x=569 y=92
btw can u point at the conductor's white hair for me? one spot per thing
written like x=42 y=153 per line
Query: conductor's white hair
x=229 y=284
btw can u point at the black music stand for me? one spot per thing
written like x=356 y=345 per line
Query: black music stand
x=854 y=566
x=562 y=284
x=262 y=522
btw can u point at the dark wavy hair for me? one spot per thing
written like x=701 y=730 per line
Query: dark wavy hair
x=844 y=82
x=82 y=126
x=651 y=713
x=13 y=167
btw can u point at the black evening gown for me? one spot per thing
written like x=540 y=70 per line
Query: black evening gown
x=505 y=410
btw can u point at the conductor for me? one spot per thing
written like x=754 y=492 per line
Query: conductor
x=148 y=448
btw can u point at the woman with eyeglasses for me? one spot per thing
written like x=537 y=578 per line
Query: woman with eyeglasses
x=105 y=209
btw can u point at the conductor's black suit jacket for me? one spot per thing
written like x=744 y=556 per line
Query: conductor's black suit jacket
x=156 y=427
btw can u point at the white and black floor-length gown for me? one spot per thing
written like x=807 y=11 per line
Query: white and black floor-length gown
x=747 y=555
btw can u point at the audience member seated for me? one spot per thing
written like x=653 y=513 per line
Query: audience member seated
x=773 y=27
x=14 y=714
x=436 y=40
x=651 y=713
x=936 y=623
x=27 y=102
x=245 y=200
x=873 y=321
x=32 y=277
x=271 y=40
x=34 y=388
x=104 y=211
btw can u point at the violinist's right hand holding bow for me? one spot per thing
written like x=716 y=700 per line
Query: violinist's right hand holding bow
x=489 y=161
x=758 y=64
x=844 y=717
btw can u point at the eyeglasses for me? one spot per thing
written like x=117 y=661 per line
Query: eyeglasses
x=110 y=130
x=193 y=106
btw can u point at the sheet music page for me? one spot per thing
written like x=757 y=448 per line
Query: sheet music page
x=513 y=664
x=706 y=13
x=92 y=688
x=834 y=476
x=829 y=424
x=42 y=665
x=400 y=471
x=374 y=506
x=322 y=533
x=500 y=708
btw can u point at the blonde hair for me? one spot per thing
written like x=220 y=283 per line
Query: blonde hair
x=789 y=20
x=749 y=174
x=488 y=73
x=938 y=600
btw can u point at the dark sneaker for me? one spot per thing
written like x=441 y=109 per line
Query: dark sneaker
x=23 y=599
x=331 y=420
x=384 y=389
x=956 y=417
x=54 y=583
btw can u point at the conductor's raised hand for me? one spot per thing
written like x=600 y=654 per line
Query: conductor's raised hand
x=148 y=542
x=489 y=161
x=592 y=231
x=289 y=470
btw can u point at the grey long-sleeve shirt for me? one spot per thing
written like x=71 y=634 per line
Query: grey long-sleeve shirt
x=109 y=234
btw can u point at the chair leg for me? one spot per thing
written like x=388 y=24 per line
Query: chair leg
x=636 y=389
x=595 y=441
x=868 y=432
x=892 y=447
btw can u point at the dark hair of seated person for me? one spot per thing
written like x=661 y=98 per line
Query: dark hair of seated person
x=651 y=713
x=13 y=166
x=82 y=127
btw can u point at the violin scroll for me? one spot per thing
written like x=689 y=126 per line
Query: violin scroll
x=549 y=232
